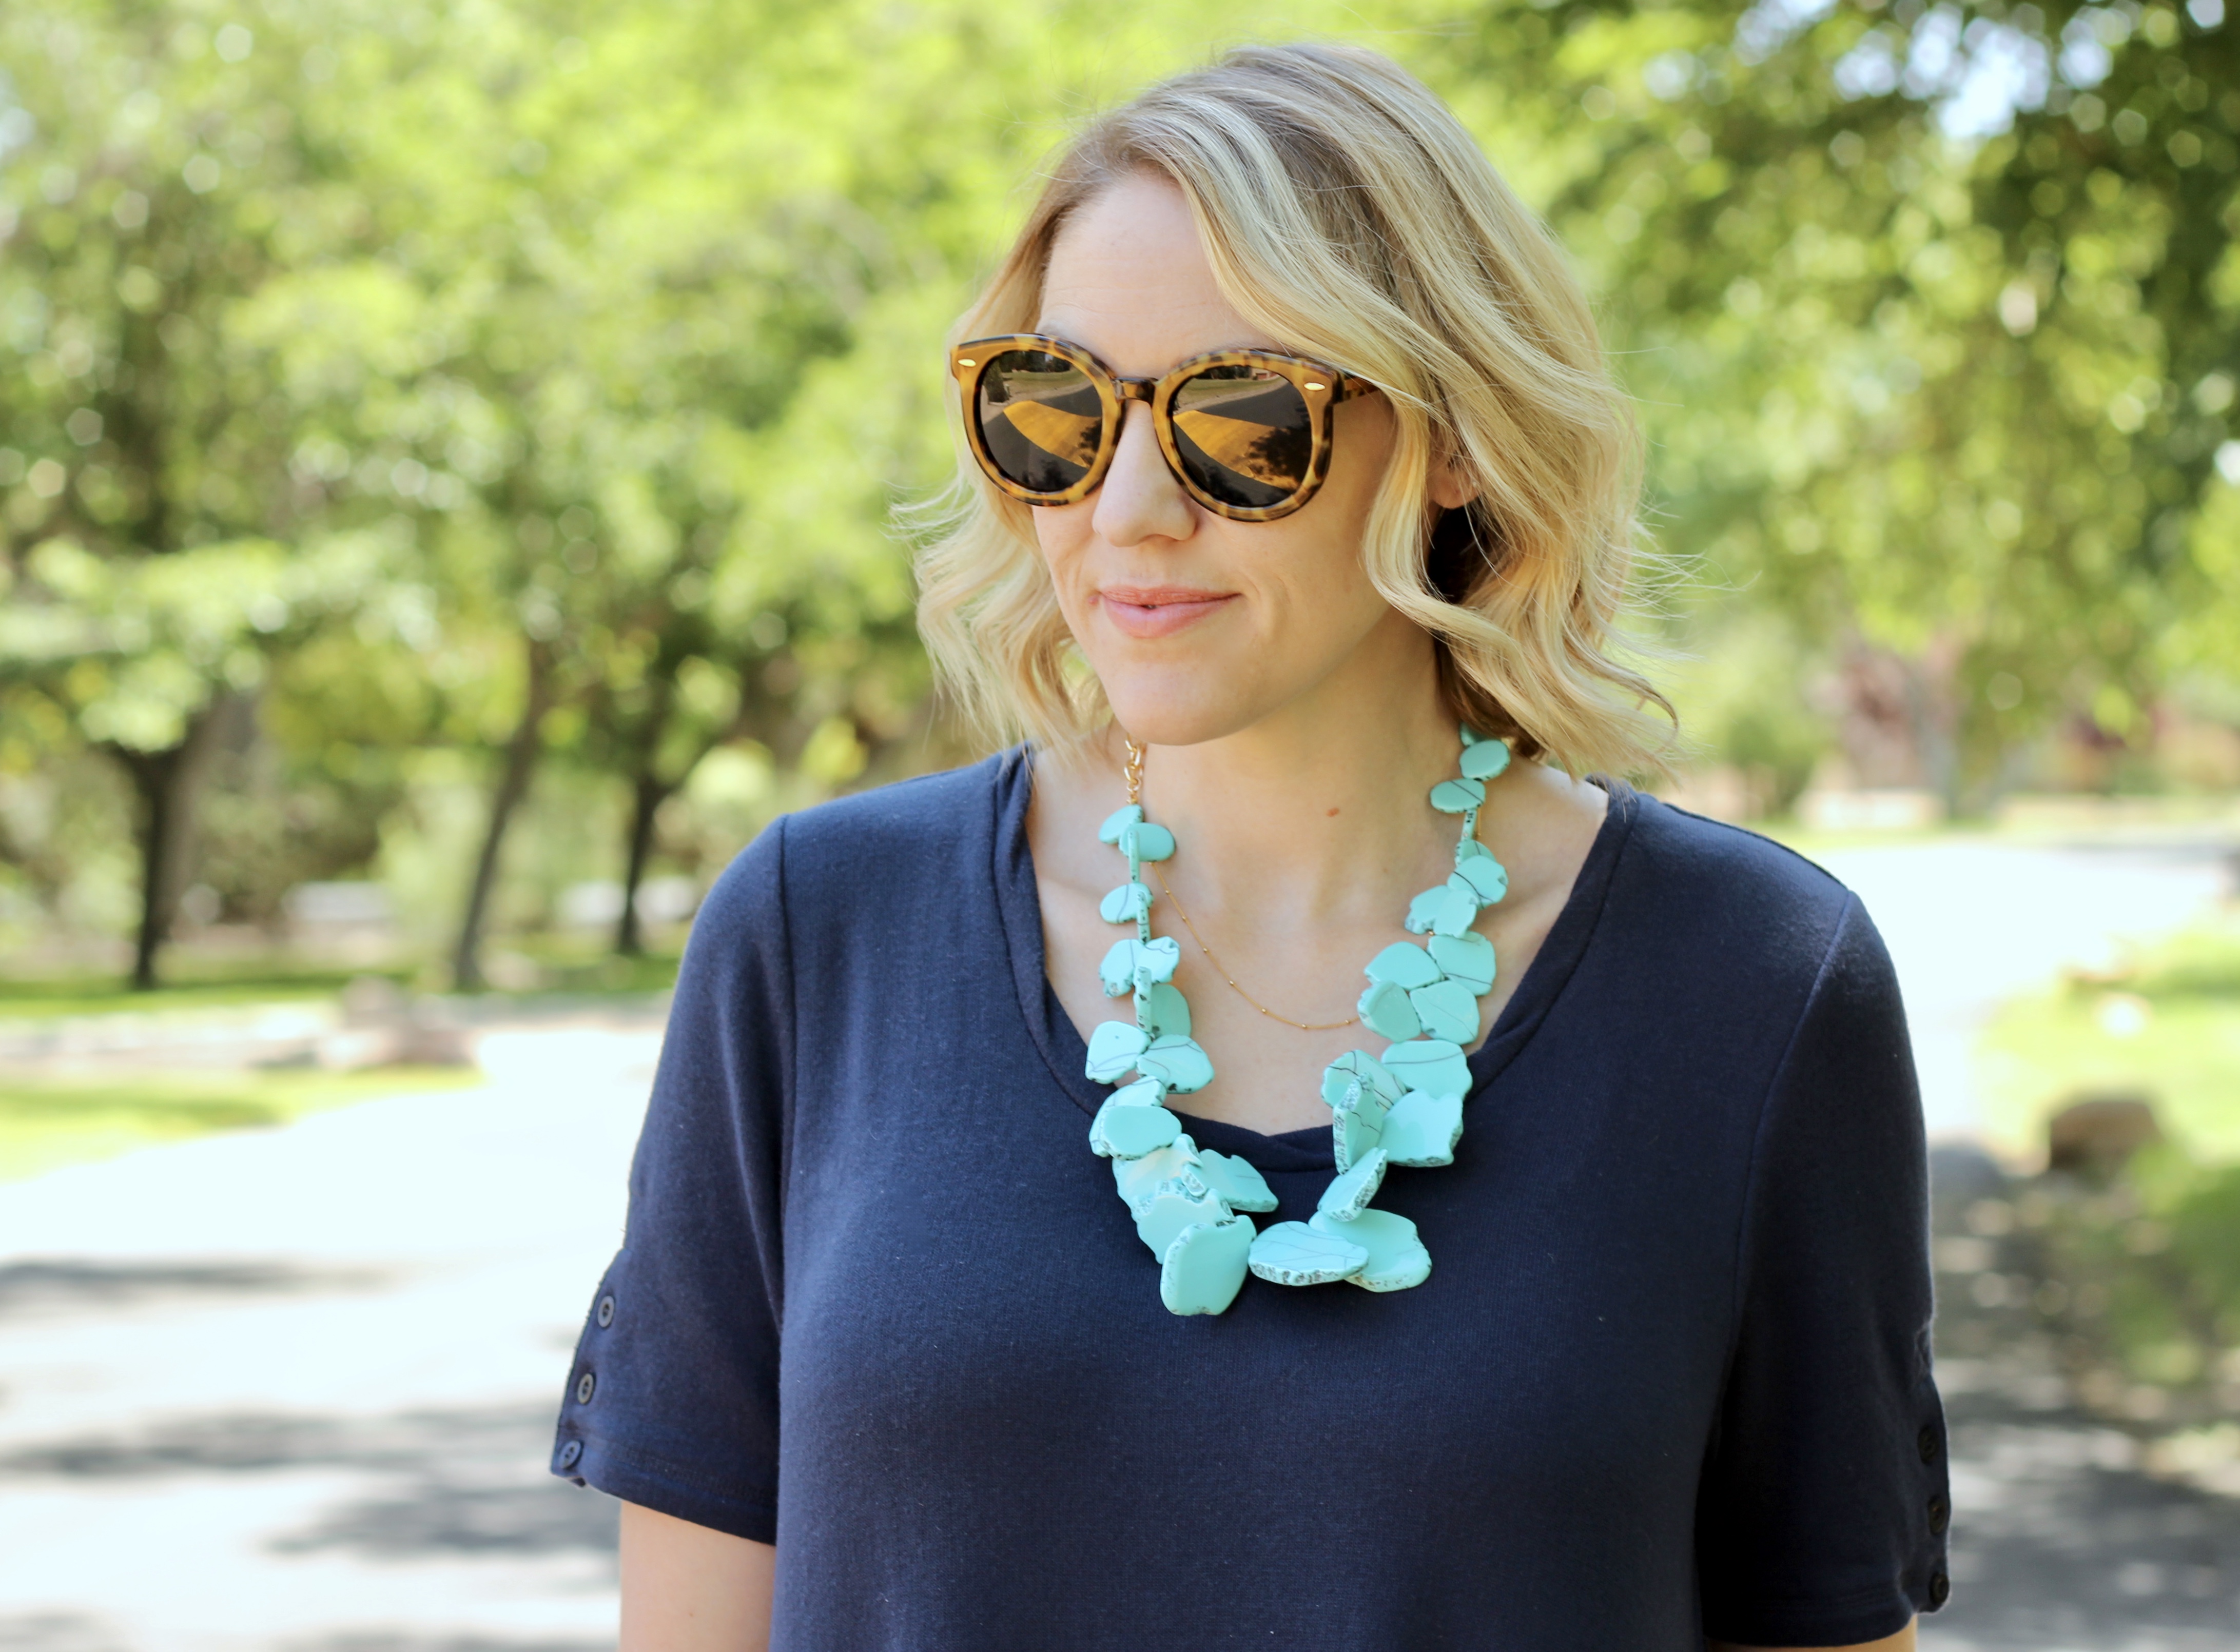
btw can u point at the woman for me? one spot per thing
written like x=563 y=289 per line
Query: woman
x=1576 y=1300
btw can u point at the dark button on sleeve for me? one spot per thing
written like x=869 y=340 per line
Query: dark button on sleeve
x=570 y=1452
x=1940 y=1590
x=686 y=1419
x=1940 y=1513
x=1927 y=1442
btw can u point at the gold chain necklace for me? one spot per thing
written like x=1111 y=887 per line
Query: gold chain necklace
x=1135 y=776
x=1303 y=1026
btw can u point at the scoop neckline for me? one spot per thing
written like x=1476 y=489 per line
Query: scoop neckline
x=1018 y=901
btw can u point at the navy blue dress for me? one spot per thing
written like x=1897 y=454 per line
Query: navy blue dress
x=877 y=1302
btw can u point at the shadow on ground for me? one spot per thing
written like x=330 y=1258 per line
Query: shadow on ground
x=43 y=1287
x=67 y=1633
x=465 y=1482
x=2060 y=1542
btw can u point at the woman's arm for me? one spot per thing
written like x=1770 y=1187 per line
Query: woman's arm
x=1901 y=1641
x=686 y=1588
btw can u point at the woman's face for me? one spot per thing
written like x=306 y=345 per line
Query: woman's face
x=1198 y=626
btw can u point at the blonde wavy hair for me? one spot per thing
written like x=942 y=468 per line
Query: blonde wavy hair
x=1345 y=211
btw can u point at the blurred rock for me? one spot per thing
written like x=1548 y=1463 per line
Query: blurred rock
x=2098 y=1133
x=374 y=1001
x=383 y=1026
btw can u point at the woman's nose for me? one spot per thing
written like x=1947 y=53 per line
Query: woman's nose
x=1140 y=498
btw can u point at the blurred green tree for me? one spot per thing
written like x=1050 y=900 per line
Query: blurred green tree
x=1933 y=311
x=155 y=173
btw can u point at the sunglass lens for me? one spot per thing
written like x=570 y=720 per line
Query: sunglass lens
x=1040 y=419
x=1244 y=435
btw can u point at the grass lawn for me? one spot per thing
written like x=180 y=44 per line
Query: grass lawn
x=566 y=964
x=48 y=1122
x=54 y=997
x=2167 y=1029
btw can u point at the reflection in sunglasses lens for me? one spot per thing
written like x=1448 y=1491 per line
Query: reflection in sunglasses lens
x=1243 y=434
x=1040 y=418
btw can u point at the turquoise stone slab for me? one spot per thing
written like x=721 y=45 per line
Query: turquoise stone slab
x=1144 y=1092
x=1132 y=965
x=1457 y=796
x=1433 y=1064
x=1177 y=1062
x=1424 y=910
x=1396 y=1257
x=1137 y=1180
x=1241 y=1187
x=1422 y=1130
x=1173 y=1206
x=1458 y=910
x=1359 y=1066
x=1485 y=760
x=1487 y=877
x=1119 y=822
x=1348 y=1195
x=1147 y=842
x=1125 y=904
x=1113 y=1048
x=1403 y=965
x=1448 y=1009
x=1356 y=1126
x=1466 y=958
x=1291 y=1253
x=1204 y=1267
x=1384 y=1008
x=1120 y=1131
x=1161 y=1010
x=1469 y=736
x=1469 y=849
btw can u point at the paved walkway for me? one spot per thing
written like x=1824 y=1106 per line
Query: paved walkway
x=2060 y=1542
x=291 y=1391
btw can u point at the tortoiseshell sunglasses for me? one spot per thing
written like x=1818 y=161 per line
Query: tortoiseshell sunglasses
x=1246 y=432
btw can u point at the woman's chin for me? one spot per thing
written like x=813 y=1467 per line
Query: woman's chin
x=1181 y=711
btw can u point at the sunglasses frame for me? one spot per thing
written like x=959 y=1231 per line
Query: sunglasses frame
x=1319 y=386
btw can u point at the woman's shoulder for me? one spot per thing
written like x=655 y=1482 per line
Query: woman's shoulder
x=878 y=846
x=1728 y=893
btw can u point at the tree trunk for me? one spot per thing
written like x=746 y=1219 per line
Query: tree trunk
x=521 y=754
x=166 y=786
x=647 y=794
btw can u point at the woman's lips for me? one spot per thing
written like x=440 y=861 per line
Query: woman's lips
x=1157 y=610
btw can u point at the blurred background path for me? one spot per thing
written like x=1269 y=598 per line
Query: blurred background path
x=291 y=1388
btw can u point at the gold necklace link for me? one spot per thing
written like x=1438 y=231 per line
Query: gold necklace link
x=1135 y=773
x=1303 y=1026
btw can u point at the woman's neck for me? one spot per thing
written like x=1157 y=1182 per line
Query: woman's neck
x=1316 y=813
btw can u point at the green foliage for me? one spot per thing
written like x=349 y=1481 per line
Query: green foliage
x=1934 y=371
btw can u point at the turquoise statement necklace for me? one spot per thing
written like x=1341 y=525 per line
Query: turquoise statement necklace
x=1405 y=1107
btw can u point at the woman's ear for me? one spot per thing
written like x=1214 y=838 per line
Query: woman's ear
x=1451 y=487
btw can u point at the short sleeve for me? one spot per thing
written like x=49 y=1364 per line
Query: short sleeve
x=672 y=1401
x=1822 y=1515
